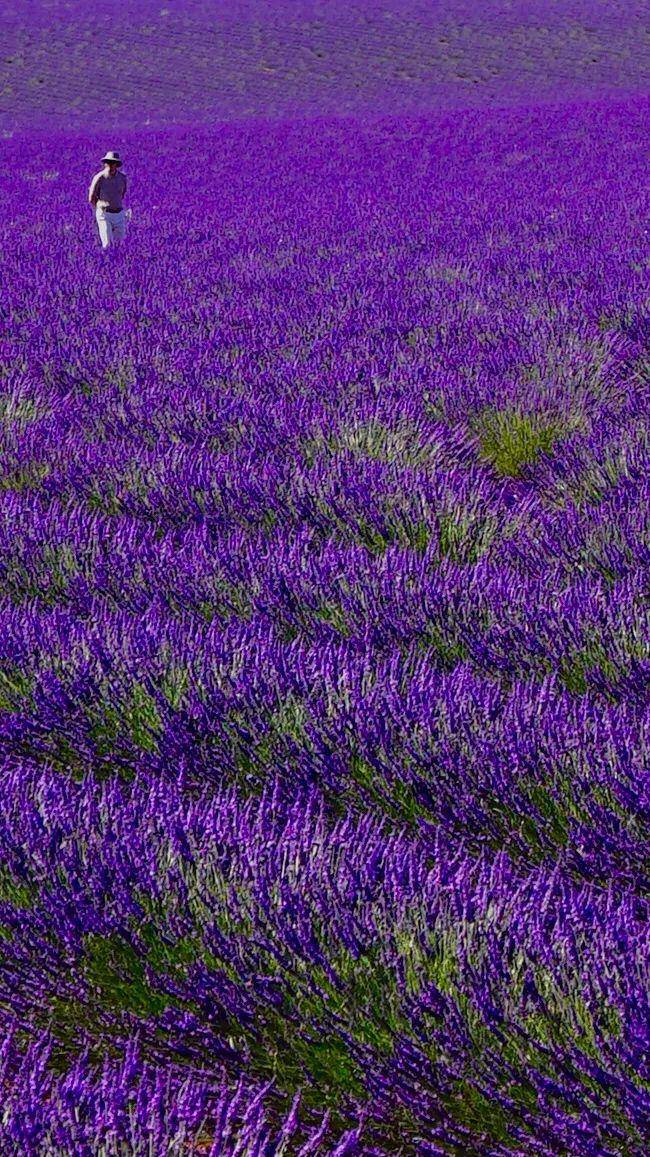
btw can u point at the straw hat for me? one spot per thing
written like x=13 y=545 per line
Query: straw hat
x=111 y=158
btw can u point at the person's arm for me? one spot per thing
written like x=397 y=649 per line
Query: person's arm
x=93 y=192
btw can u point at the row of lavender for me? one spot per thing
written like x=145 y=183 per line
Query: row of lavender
x=323 y=643
x=443 y=1001
x=197 y=60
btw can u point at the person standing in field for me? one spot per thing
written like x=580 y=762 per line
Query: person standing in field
x=106 y=195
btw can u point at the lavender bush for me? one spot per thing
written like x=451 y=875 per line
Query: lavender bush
x=324 y=619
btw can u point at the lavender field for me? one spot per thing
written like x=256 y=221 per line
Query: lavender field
x=324 y=616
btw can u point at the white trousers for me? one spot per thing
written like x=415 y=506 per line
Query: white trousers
x=112 y=226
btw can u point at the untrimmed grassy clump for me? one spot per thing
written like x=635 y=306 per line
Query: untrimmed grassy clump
x=511 y=440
